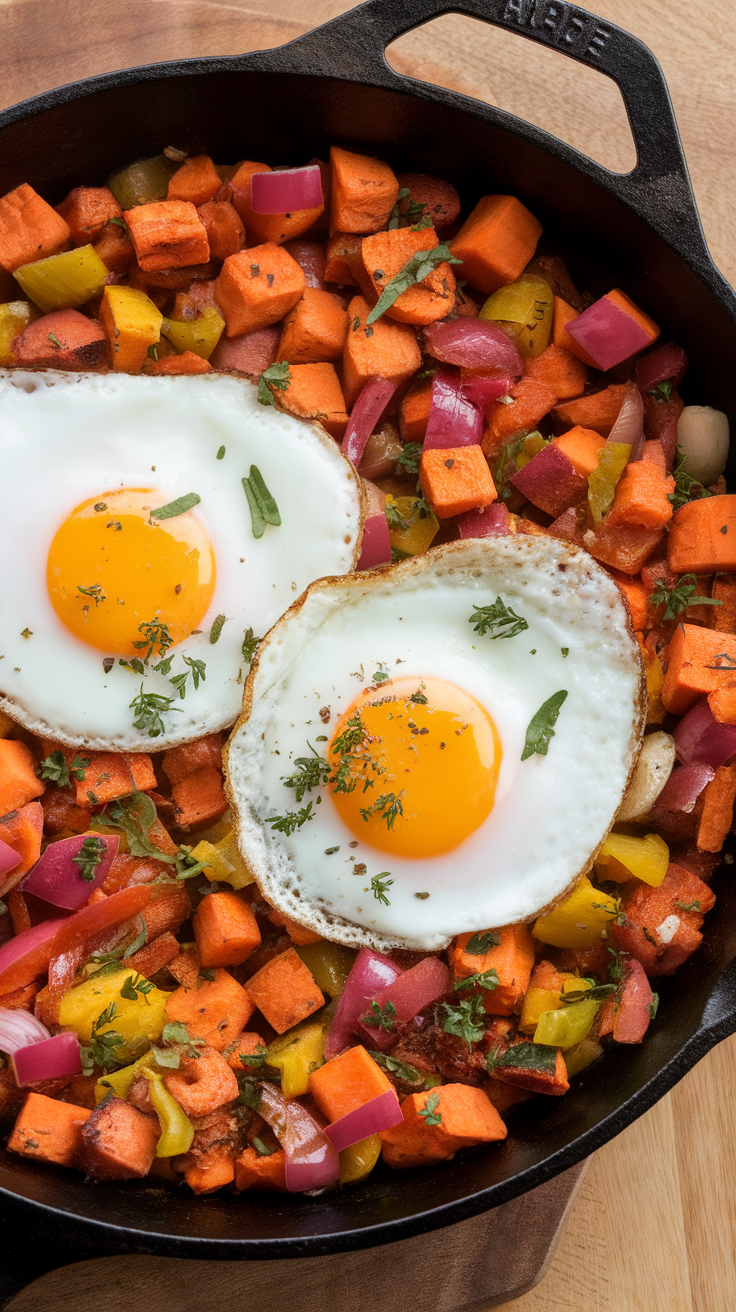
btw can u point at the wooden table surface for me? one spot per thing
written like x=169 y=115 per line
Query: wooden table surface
x=654 y=1225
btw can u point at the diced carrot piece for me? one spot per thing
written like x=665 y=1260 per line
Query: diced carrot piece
x=224 y=228
x=255 y=1172
x=347 y=1082
x=115 y=248
x=560 y=371
x=249 y=1043
x=225 y=929
x=118 y=1141
x=598 y=411
x=154 y=956
x=582 y=446
x=267 y=227
x=186 y=969
x=624 y=547
x=214 y=1170
x=440 y=199
x=169 y=906
x=385 y=350
x=87 y=210
x=22 y=830
x=531 y=402
x=186 y=364
x=563 y=313
x=364 y=192
x=167 y=234
x=456 y=479
x=496 y=242
x=315 y=330
x=203 y=1083
x=257 y=287
x=722 y=703
x=61 y=811
x=512 y=959
x=110 y=775
x=694 y=666
x=214 y=1010
x=178 y=762
x=344 y=262
x=723 y=617
x=647 y=910
x=314 y=392
x=702 y=538
x=199 y=798
x=641 y=496
x=467 y=1117
x=414 y=409
x=285 y=991
x=717 y=814
x=196 y=181
x=29 y=229
x=18 y=909
x=300 y=936
x=48 y=1131
x=81 y=342
x=636 y=597
x=384 y=256
x=19 y=782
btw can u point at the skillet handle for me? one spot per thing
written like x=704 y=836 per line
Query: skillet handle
x=659 y=189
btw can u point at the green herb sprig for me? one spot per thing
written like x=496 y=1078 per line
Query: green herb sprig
x=497 y=620
x=541 y=726
x=262 y=506
x=415 y=269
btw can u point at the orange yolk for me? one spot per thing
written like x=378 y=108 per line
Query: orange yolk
x=440 y=761
x=111 y=569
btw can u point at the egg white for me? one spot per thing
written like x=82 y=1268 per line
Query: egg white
x=550 y=813
x=66 y=437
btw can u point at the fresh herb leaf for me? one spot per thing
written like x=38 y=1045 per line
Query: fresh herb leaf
x=263 y=508
x=429 y=1113
x=524 y=1056
x=155 y=634
x=398 y=219
x=419 y=698
x=279 y=376
x=89 y=857
x=312 y=772
x=220 y=454
x=149 y=708
x=152 y=352
x=677 y=598
x=286 y=824
x=135 y=985
x=216 y=629
x=723 y=656
x=407 y=1074
x=686 y=488
x=467 y=1020
x=653 y=1006
x=174 y=508
x=381 y=1018
x=415 y=269
x=595 y=994
x=54 y=767
x=487 y=980
x=388 y=805
x=423 y=223
x=394 y=518
x=615 y=969
x=138 y=942
x=253 y=1060
x=662 y=391
x=54 y=340
x=379 y=885
x=480 y=943
x=197 y=671
x=508 y=457
x=250 y=1093
x=410 y=458
x=120 y=223
x=263 y=1149
x=541 y=726
x=250 y=646
x=104 y=1050
x=176 y=1032
x=500 y=620
x=688 y=906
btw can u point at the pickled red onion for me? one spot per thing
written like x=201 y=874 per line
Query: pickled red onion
x=378 y=1114
x=48 y=1059
x=285 y=190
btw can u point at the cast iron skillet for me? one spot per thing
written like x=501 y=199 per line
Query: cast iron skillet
x=639 y=231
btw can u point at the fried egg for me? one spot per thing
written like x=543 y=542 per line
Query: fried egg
x=132 y=567
x=439 y=747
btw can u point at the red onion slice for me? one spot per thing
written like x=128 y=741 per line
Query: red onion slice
x=684 y=786
x=365 y=414
x=378 y=1114
x=311 y=1160
x=375 y=549
x=473 y=344
x=370 y=973
x=488 y=522
x=666 y=362
x=453 y=419
x=629 y=425
x=58 y=880
x=607 y=333
x=701 y=740
x=483 y=390
x=48 y=1059
x=19 y=1028
x=408 y=994
x=285 y=190
x=9 y=858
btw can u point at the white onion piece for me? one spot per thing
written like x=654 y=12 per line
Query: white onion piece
x=703 y=436
x=18 y=1029
x=653 y=769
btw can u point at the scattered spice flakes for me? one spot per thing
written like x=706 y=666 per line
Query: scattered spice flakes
x=324 y=714
x=359 y=868
x=422 y=896
x=108 y=663
x=27 y=633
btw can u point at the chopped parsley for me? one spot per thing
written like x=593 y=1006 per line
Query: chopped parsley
x=662 y=391
x=197 y=671
x=524 y=1056
x=286 y=824
x=415 y=269
x=264 y=1149
x=381 y=1018
x=487 y=980
x=149 y=709
x=653 y=1006
x=388 y=806
x=688 y=906
x=410 y=458
x=405 y=1073
x=677 y=598
x=394 y=518
x=466 y=1020
x=263 y=508
x=155 y=634
x=106 y=1050
x=429 y=1113
x=541 y=726
x=135 y=986
x=312 y=772
x=413 y=211
x=55 y=768
x=499 y=620
x=479 y=944
x=279 y=376
x=686 y=488
x=95 y=592
x=89 y=857
x=250 y=645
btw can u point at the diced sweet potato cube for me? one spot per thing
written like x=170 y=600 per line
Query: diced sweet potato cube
x=456 y=479
x=179 y=762
x=167 y=234
x=662 y=925
x=224 y=228
x=19 y=782
x=385 y=350
x=315 y=329
x=347 y=1082
x=23 y=830
x=196 y=181
x=299 y=936
x=86 y=210
x=285 y=991
x=118 y=1142
x=695 y=666
x=248 y=354
x=64 y=339
x=364 y=192
x=214 y=1010
x=716 y=817
x=582 y=446
x=29 y=229
x=466 y=1117
x=414 y=409
x=249 y=1043
x=154 y=956
x=531 y=402
x=512 y=959
x=257 y=287
x=386 y=253
x=702 y=537
x=496 y=242
x=110 y=775
x=48 y=1131
x=169 y=905
x=225 y=929
x=199 y=798
x=314 y=392
x=253 y=1171
x=560 y=371
x=186 y=364
x=214 y=1170
x=599 y=411
x=202 y=1084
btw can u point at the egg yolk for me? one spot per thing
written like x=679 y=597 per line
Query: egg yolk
x=414 y=778
x=112 y=569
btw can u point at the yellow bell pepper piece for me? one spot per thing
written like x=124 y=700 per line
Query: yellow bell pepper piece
x=655 y=683
x=645 y=858
x=330 y=963
x=14 y=317
x=143 y=181
x=422 y=525
x=132 y=323
x=62 y=282
x=177 y=1130
x=358 y=1162
x=120 y=1081
x=612 y=462
x=582 y=1055
x=198 y=335
x=578 y=922
x=566 y=1026
x=138 y=1021
x=535 y=1002
x=224 y=865
x=525 y=308
x=533 y=444
x=296 y=1054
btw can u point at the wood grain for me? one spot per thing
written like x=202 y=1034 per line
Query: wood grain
x=654 y=1225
